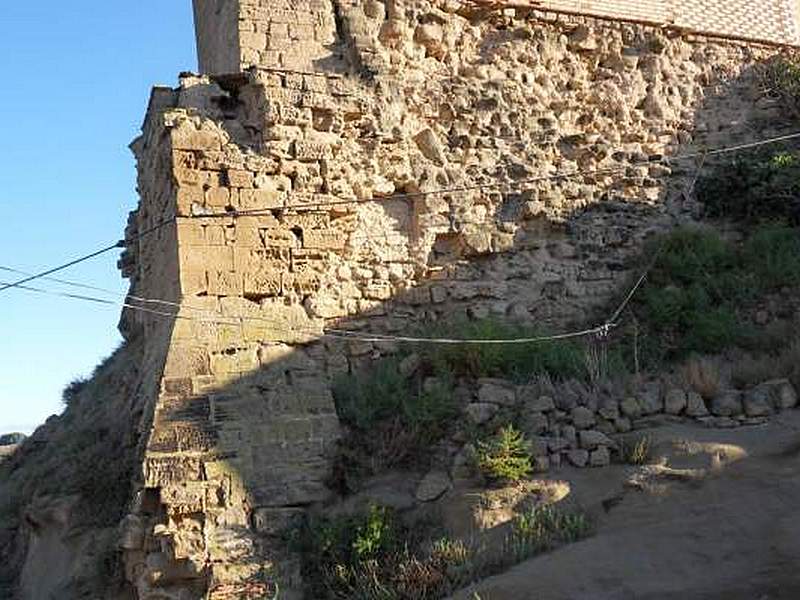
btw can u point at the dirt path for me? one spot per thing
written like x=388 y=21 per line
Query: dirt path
x=732 y=535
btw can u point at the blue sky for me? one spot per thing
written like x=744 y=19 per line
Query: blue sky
x=76 y=79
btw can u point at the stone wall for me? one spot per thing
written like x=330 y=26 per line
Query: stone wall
x=308 y=204
x=233 y=35
x=218 y=36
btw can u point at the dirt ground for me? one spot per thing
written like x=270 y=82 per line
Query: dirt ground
x=719 y=519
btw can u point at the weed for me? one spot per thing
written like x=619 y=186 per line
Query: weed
x=542 y=528
x=372 y=556
x=363 y=400
x=412 y=564
x=374 y=535
x=560 y=359
x=505 y=456
x=638 y=451
x=772 y=255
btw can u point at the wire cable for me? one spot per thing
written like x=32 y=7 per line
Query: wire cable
x=656 y=159
x=116 y=245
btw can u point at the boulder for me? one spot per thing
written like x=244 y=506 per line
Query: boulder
x=578 y=458
x=695 y=405
x=540 y=446
x=609 y=409
x=569 y=433
x=600 y=457
x=541 y=404
x=557 y=444
x=433 y=486
x=650 y=399
x=782 y=394
x=629 y=407
x=756 y=402
x=496 y=391
x=623 y=425
x=582 y=417
x=480 y=412
x=675 y=401
x=727 y=404
x=535 y=423
x=591 y=439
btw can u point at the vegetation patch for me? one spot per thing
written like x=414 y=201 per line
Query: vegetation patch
x=694 y=295
x=374 y=556
x=637 y=451
x=753 y=187
x=393 y=419
x=780 y=79
x=505 y=456
x=561 y=359
x=541 y=529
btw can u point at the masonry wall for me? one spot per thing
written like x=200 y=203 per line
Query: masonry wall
x=308 y=209
x=218 y=35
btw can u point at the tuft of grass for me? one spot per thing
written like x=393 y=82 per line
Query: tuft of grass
x=638 y=451
x=373 y=556
x=772 y=255
x=405 y=562
x=703 y=376
x=560 y=359
x=505 y=457
x=541 y=529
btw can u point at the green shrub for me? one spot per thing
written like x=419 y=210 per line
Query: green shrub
x=772 y=256
x=693 y=296
x=753 y=187
x=561 y=359
x=364 y=399
x=374 y=556
x=505 y=456
x=73 y=390
x=781 y=79
x=374 y=535
x=393 y=421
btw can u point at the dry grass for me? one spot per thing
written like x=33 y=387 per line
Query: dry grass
x=789 y=363
x=704 y=375
x=749 y=370
x=637 y=451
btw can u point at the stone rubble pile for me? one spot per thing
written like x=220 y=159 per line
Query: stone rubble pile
x=576 y=425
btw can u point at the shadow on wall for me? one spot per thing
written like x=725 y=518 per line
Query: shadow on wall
x=244 y=437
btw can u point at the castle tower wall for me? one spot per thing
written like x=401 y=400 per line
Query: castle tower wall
x=420 y=188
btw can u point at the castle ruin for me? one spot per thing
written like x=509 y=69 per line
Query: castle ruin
x=343 y=172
